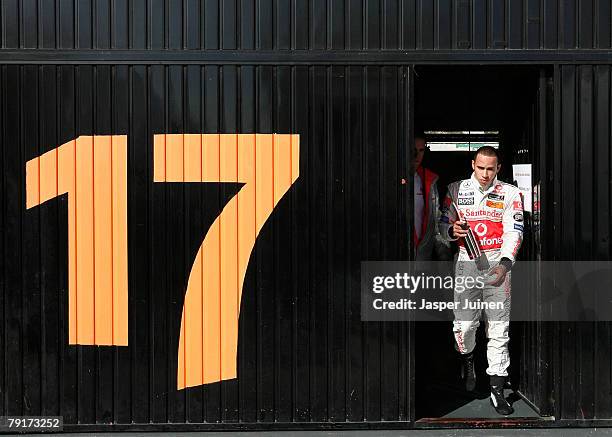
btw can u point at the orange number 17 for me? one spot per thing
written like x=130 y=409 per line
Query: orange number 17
x=93 y=172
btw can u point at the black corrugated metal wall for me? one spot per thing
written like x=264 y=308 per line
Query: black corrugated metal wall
x=304 y=356
x=582 y=197
x=306 y=24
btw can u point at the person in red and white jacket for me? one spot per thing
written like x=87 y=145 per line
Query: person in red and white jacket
x=494 y=212
x=428 y=243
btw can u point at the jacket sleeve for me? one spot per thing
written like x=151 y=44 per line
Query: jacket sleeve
x=442 y=247
x=448 y=215
x=513 y=227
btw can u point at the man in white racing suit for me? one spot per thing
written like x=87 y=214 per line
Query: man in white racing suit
x=493 y=210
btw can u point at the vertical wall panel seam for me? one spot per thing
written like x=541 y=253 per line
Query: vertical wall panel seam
x=77 y=28
x=184 y=31
x=238 y=22
x=347 y=27
x=112 y=25
x=203 y=111
x=294 y=299
x=60 y=341
x=401 y=24
x=488 y=25
x=239 y=297
x=39 y=32
x=541 y=29
x=130 y=36
x=220 y=128
x=347 y=264
x=292 y=30
x=524 y=25
x=364 y=213
x=221 y=23
x=20 y=26
x=380 y=248
x=329 y=228
x=21 y=235
x=148 y=20
x=166 y=18
x=257 y=28
x=114 y=130
x=150 y=222
x=94 y=34
x=311 y=74
x=79 y=349
x=63 y=294
x=609 y=128
x=202 y=40
x=400 y=131
x=56 y=36
x=112 y=245
x=436 y=24
x=42 y=358
x=93 y=203
x=473 y=26
x=409 y=120
x=167 y=295
x=257 y=93
x=364 y=25
x=419 y=24
x=186 y=264
x=383 y=26
x=4 y=269
x=596 y=25
x=452 y=30
x=508 y=23
x=329 y=26
x=577 y=40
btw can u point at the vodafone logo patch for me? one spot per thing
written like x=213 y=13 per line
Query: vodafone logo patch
x=480 y=229
x=491 y=243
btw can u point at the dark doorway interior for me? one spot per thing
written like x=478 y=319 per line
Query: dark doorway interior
x=500 y=101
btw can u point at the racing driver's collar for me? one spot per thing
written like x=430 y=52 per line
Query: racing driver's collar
x=477 y=184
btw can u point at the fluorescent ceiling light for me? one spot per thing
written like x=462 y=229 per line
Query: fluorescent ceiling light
x=461 y=132
x=440 y=146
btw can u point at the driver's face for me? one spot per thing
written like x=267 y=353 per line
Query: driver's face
x=419 y=151
x=485 y=169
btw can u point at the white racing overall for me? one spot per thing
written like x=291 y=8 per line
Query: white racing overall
x=495 y=216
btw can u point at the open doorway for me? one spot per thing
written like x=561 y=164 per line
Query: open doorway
x=459 y=109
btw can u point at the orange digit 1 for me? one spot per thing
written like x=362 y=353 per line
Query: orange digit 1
x=267 y=165
x=92 y=170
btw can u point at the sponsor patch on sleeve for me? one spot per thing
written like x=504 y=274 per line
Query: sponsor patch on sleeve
x=518 y=227
x=496 y=205
x=518 y=216
x=517 y=205
x=495 y=196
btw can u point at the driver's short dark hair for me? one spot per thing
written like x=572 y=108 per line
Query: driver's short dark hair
x=487 y=151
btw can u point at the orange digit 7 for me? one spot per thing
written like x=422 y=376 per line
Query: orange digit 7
x=267 y=165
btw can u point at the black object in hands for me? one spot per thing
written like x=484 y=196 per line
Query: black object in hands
x=471 y=245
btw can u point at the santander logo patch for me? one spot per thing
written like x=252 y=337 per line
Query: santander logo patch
x=476 y=214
